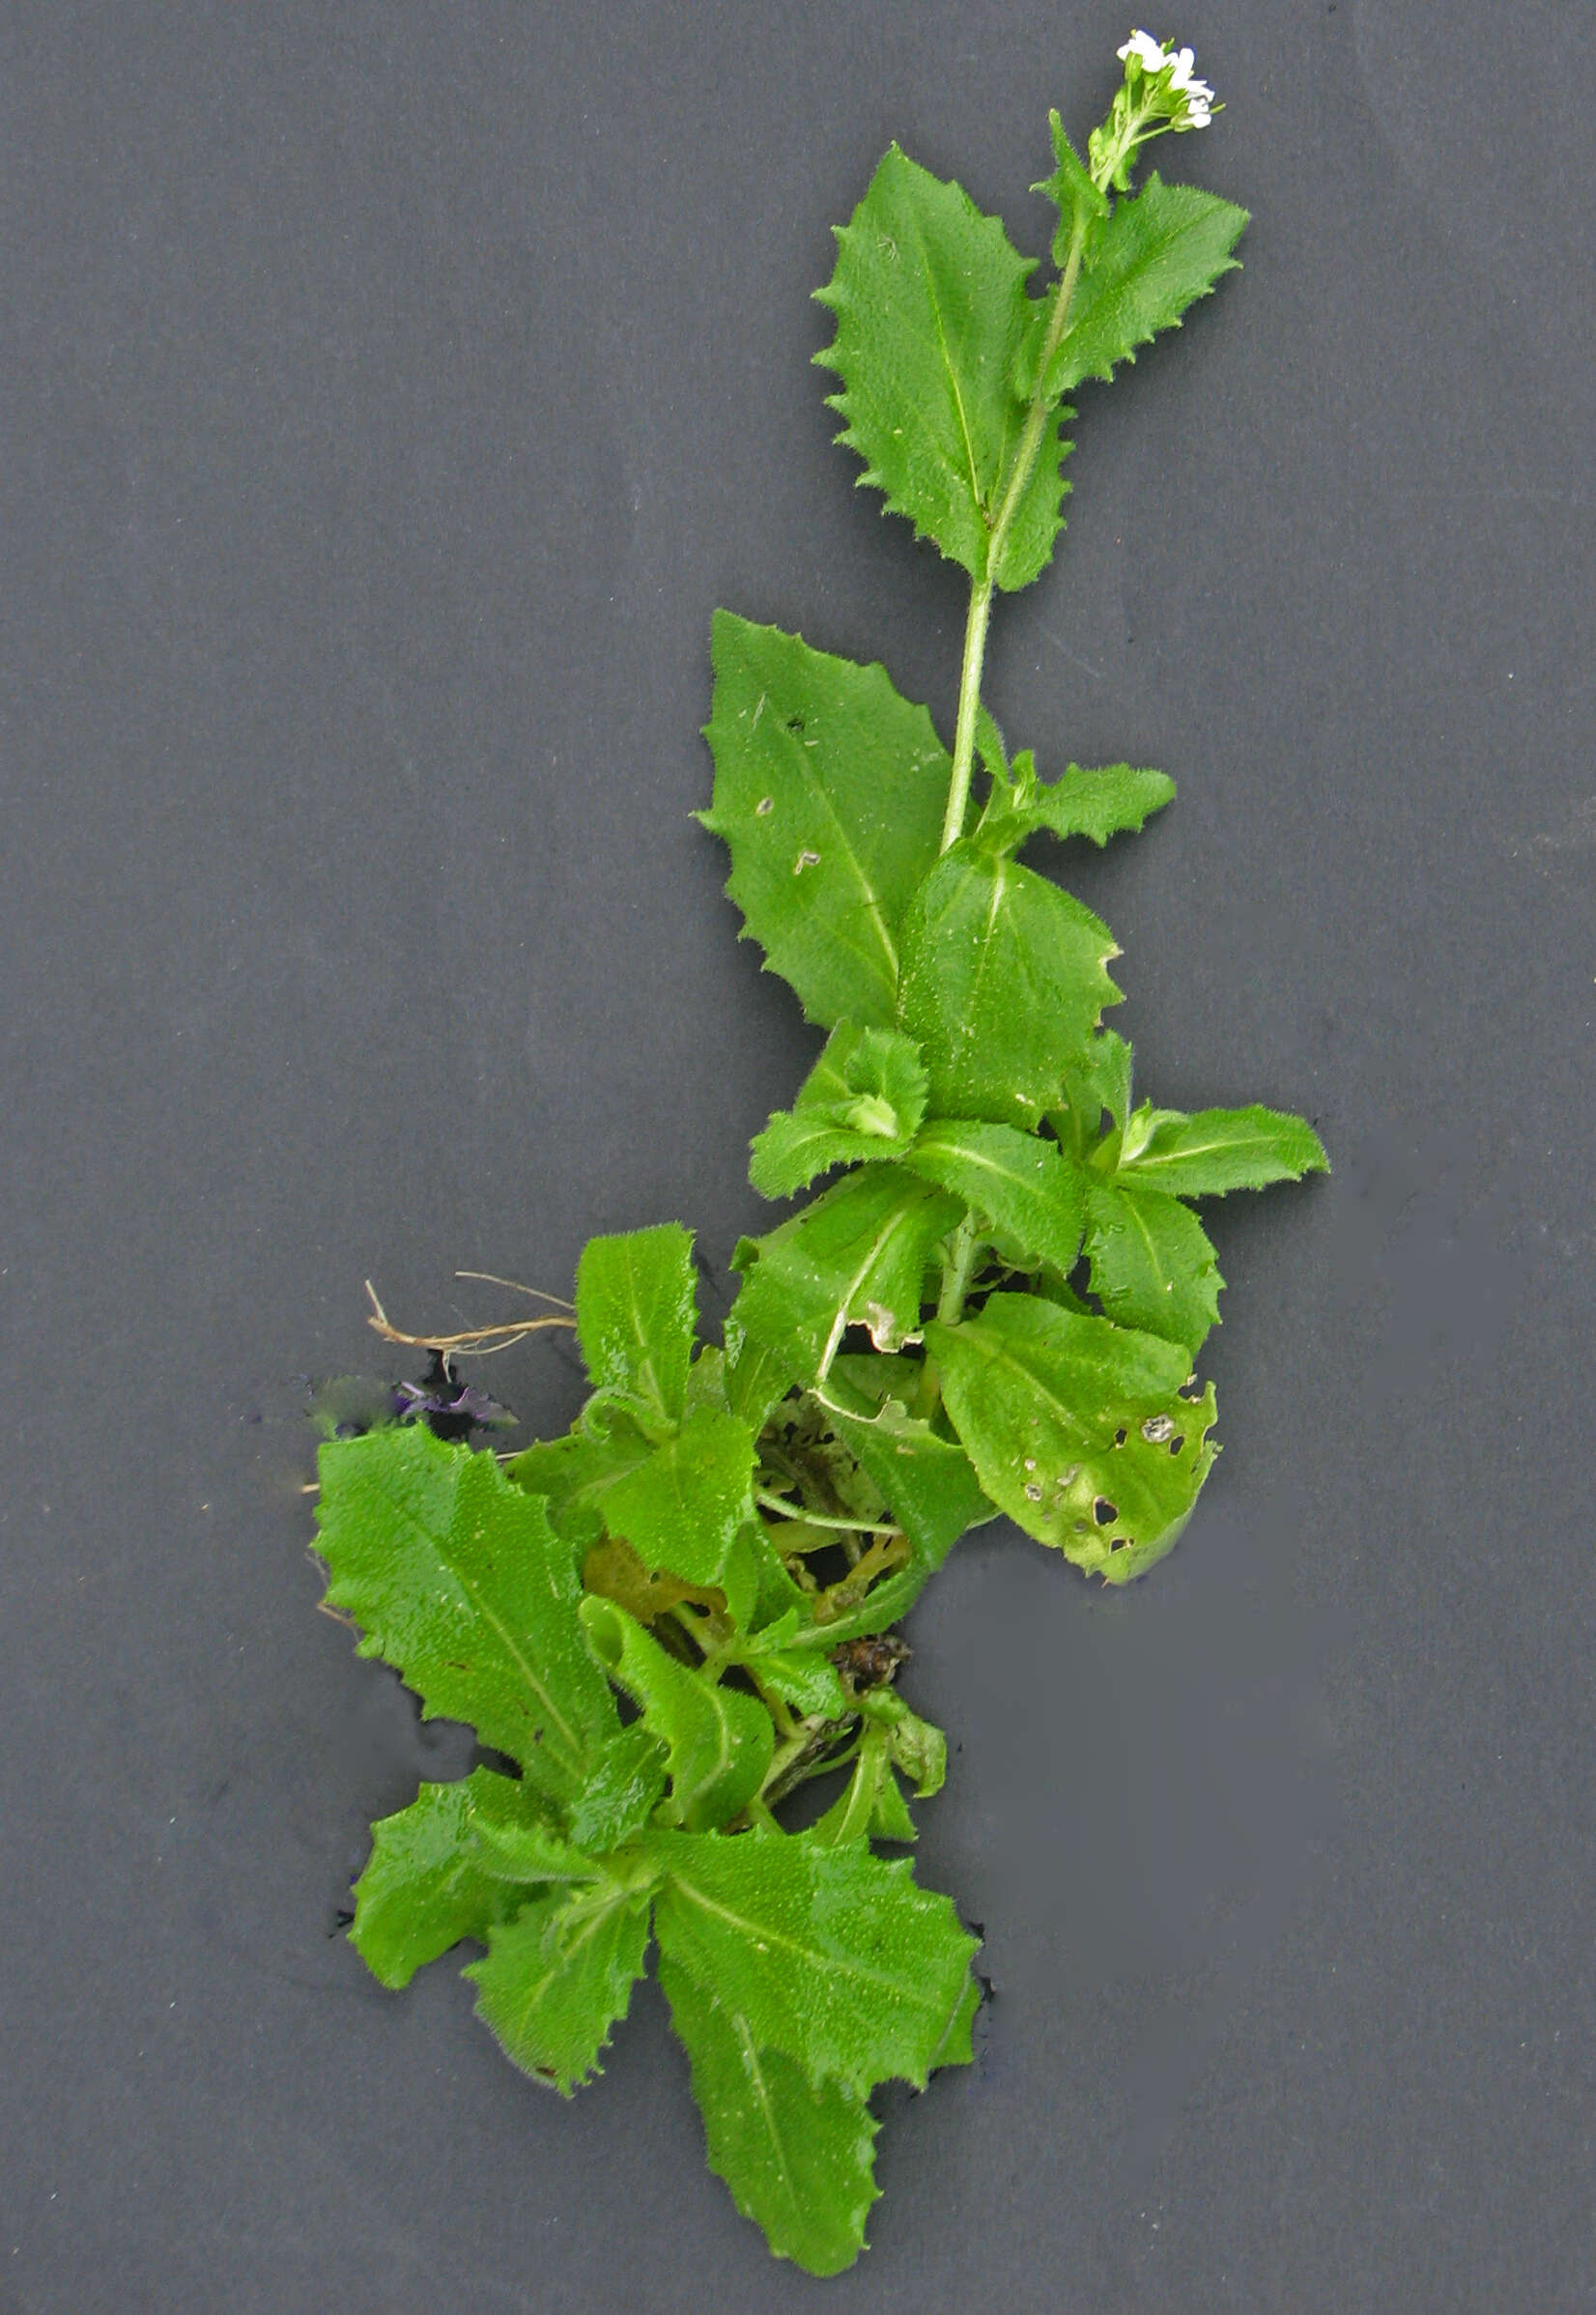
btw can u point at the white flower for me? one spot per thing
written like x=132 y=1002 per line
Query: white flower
x=1147 y=51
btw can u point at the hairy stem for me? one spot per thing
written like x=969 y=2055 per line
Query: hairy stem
x=980 y=590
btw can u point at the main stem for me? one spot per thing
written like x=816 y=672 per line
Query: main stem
x=980 y=590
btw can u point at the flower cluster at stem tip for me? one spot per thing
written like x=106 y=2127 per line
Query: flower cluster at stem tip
x=1160 y=92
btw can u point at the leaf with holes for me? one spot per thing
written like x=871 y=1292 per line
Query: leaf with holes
x=863 y=1100
x=1152 y=1263
x=856 y=1256
x=1076 y=1428
x=458 y=1581
x=933 y=323
x=829 y=793
x=1003 y=981
x=797 y=2155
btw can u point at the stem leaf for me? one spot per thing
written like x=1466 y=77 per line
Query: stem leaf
x=829 y=792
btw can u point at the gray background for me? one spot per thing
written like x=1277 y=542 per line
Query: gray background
x=391 y=393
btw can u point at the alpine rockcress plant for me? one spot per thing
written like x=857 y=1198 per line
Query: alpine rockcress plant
x=664 y=1623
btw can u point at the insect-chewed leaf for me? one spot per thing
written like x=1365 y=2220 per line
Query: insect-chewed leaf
x=558 y=1977
x=430 y=1880
x=831 y=1955
x=862 y=1099
x=797 y=2155
x=928 y=1480
x=829 y=792
x=1160 y=251
x=932 y=317
x=1153 y=1265
x=681 y=1510
x=458 y=1581
x=1218 y=1150
x=718 y=1741
x=1026 y=1193
x=636 y=1314
x=1003 y=981
x=1076 y=1428
x=573 y=1474
x=857 y=1255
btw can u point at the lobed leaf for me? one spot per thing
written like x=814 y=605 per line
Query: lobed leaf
x=1076 y=1429
x=1160 y=251
x=933 y=323
x=559 y=1976
x=1025 y=1194
x=857 y=1255
x=831 y=1955
x=1152 y=1263
x=718 y=1741
x=636 y=1312
x=458 y=1581
x=1004 y=982
x=1219 y=1150
x=797 y=2155
x=829 y=792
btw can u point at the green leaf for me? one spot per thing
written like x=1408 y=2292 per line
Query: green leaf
x=801 y=1679
x=1160 y=251
x=428 y=1881
x=718 y=1741
x=863 y=1098
x=871 y=1803
x=1095 y=1080
x=756 y=1380
x=622 y=1792
x=574 y=1473
x=829 y=792
x=682 y=1509
x=1004 y=982
x=458 y=1581
x=1115 y=800
x=928 y=1481
x=1025 y=1194
x=932 y=319
x=1153 y=1266
x=831 y=1955
x=1072 y=192
x=918 y=1747
x=1076 y=1430
x=796 y=2156
x=558 y=1977
x=958 y=2048
x=1218 y=1150
x=636 y=1313
x=857 y=1255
